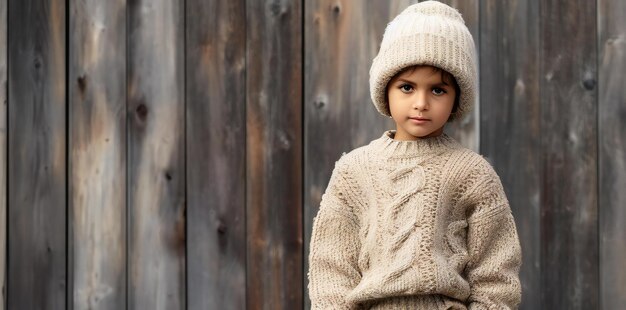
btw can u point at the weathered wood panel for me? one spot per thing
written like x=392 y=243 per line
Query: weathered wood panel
x=274 y=154
x=466 y=131
x=569 y=197
x=156 y=154
x=216 y=154
x=510 y=122
x=97 y=158
x=612 y=151
x=36 y=155
x=341 y=39
x=3 y=149
x=540 y=118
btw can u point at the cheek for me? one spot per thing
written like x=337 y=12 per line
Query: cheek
x=395 y=105
x=395 y=96
x=392 y=100
x=445 y=108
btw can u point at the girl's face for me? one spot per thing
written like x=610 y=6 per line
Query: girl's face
x=420 y=102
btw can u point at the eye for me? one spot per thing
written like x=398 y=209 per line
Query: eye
x=438 y=91
x=406 y=88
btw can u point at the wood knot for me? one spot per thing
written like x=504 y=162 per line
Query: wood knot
x=82 y=83
x=589 y=81
x=142 y=111
x=221 y=228
x=276 y=9
x=336 y=8
x=589 y=84
x=319 y=104
x=37 y=62
x=320 y=101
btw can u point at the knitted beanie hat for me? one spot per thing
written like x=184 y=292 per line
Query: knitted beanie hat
x=426 y=33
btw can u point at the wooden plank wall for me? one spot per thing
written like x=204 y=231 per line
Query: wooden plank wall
x=97 y=155
x=156 y=155
x=568 y=126
x=172 y=154
x=274 y=154
x=510 y=132
x=216 y=154
x=36 y=155
x=612 y=152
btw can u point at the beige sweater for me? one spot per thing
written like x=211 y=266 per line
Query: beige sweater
x=414 y=225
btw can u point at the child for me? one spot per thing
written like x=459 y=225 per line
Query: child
x=413 y=220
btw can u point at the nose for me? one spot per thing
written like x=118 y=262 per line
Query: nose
x=420 y=101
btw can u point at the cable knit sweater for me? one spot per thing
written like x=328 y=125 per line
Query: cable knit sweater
x=414 y=225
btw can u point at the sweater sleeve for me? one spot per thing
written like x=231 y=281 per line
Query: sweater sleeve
x=334 y=248
x=493 y=246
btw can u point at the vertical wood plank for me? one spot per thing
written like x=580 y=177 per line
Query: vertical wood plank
x=466 y=131
x=97 y=159
x=274 y=151
x=3 y=150
x=156 y=167
x=569 y=223
x=510 y=122
x=612 y=151
x=216 y=135
x=37 y=155
x=341 y=40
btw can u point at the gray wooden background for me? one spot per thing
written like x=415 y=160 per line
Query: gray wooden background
x=171 y=154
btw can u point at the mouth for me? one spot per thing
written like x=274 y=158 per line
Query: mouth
x=419 y=120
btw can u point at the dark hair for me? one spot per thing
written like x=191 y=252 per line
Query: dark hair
x=445 y=76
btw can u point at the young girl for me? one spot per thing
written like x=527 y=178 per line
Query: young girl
x=414 y=220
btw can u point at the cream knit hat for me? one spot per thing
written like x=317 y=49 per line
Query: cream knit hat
x=426 y=33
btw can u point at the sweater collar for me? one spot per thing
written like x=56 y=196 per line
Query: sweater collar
x=389 y=147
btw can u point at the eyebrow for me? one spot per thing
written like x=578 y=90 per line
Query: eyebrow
x=435 y=84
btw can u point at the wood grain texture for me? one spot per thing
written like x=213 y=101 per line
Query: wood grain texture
x=274 y=154
x=510 y=122
x=219 y=197
x=466 y=130
x=156 y=154
x=612 y=151
x=37 y=155
x=97 y=158
x=341 y=39
x=3 y=150
x=569 y=197
x=216 y=154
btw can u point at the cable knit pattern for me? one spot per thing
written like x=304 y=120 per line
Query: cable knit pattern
x=414 y=225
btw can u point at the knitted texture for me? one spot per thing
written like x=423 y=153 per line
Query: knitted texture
x=426 y=33
x=414 y=225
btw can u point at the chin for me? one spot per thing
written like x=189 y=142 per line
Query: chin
x=420 y=134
